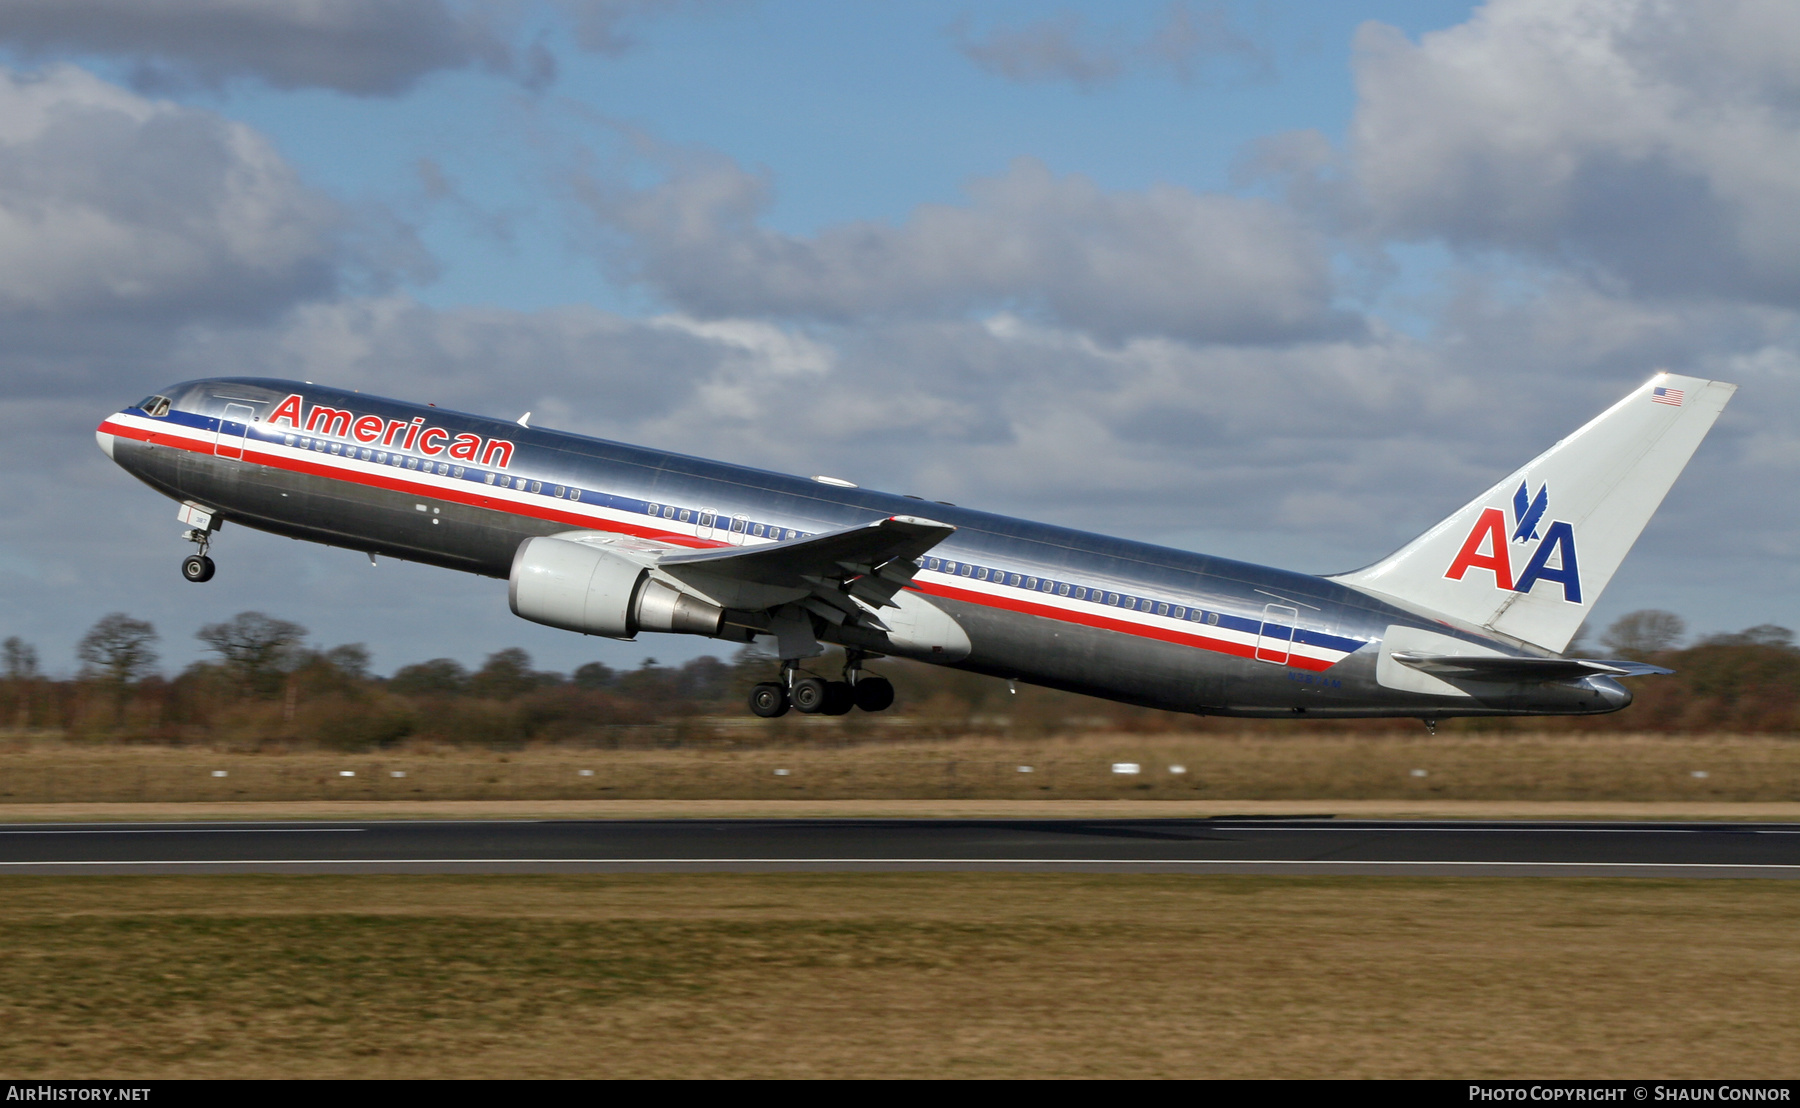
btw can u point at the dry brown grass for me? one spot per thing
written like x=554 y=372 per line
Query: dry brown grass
x=1307 y=767
x=966 y=975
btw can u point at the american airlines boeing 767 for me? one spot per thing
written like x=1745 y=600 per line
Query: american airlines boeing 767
x=1469 y=619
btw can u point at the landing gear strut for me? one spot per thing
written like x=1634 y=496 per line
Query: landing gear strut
x=813 y=695
x=198 y=567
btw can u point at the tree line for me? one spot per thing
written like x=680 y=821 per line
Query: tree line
x=262 y=683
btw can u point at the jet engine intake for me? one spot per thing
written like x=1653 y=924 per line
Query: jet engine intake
x=597 y=591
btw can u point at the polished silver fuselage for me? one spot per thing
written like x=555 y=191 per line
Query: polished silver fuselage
x=1248 y=640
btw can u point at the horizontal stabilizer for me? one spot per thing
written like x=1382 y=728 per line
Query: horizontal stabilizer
x=1508 y=670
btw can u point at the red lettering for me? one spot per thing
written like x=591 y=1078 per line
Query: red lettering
x=412 y=432
x=289 y=410
x=329 y=420
x=466 y=447
x=500 y=447
x=367 y=429
x=394 y=427
x=1491 y=530
x=425 y=446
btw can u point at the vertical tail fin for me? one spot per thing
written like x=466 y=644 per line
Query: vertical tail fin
x=1528 y=557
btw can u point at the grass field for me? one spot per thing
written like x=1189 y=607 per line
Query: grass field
x=1307 y=766
x=968 y=975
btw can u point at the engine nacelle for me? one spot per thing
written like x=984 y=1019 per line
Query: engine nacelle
x=597 y=591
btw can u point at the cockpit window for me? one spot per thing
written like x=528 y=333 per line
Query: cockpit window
x=155 y=405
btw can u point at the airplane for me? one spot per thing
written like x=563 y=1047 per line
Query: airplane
x=1469 y=619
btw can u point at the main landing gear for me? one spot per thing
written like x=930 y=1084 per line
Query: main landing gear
x=814 y=695
x=198 y=567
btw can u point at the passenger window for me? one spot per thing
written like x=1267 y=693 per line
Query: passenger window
x=1062 y=589
x=792 y=534
x=1162 y=609
x=685 y=514
x=967 y=569
x=559 y=491
x=337 y=448
x=456 y=471
x=1112 y=598
x=574 y=494
x=653 y=508
x=949 y=566
x=287 y=440
x=1078 y=593
x=537 y=486
x=706 y=519
x=1179 y=613
x=1031 y=582
x=737 y=525
x=1047 y=585
x=1212 y=618
x=490 y=478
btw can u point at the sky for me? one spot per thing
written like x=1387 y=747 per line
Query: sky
x=1280 y=281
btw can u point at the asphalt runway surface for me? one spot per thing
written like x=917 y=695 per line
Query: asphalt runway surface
x=1285 y=845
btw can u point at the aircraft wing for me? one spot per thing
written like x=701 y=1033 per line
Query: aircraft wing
x=870 y=563
x=1498 y=668
x=858 y=551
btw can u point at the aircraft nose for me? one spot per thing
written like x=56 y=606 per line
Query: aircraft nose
x=105 y=439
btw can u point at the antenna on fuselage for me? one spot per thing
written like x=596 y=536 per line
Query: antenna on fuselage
x=525 y=421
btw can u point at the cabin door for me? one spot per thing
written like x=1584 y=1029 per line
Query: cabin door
x=228 y=441
x=1276 y=638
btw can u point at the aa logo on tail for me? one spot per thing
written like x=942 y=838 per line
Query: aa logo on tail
x=1487 y=546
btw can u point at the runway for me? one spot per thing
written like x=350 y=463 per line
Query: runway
x=1297 y=845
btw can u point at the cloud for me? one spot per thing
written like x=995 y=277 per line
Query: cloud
x=356 y=47
x=605 y=26
x=1190 y=39
x=123 y=219
x=359 y=47
x=1166 y=260
x=606 y=373
x=1652 y=143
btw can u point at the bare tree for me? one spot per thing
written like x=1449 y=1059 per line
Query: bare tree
x=22 y=673
x=1641 y=634
x=21 y=659
x=117 y=652
x=351 y=659
x=258 y=650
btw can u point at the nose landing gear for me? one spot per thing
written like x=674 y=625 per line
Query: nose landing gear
x=812 y=695
x=198 y=567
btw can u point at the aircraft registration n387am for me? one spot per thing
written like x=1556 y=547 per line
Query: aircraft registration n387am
x=1469 y=619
